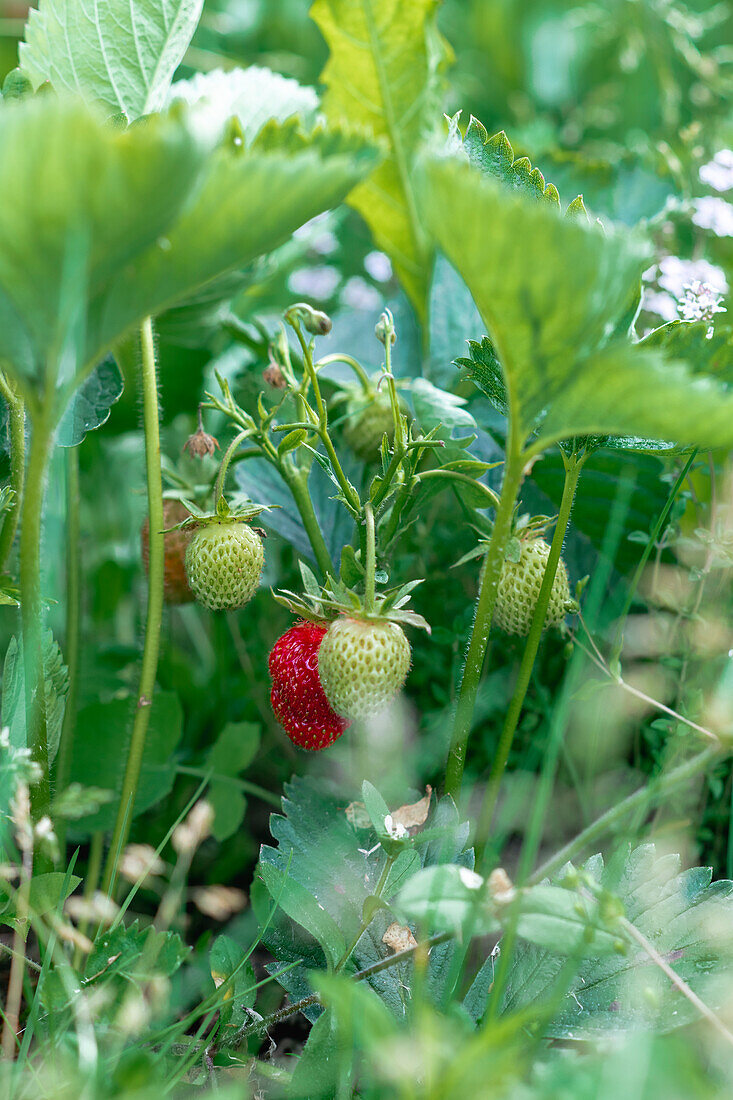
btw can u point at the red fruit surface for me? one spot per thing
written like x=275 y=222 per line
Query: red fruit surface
x=297 y=697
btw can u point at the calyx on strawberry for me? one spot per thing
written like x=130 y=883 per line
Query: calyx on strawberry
x=176 y=589
x=297 y=697
x=364 y=657
x=225 y=557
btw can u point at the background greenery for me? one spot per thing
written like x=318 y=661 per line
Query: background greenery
x=623 y=102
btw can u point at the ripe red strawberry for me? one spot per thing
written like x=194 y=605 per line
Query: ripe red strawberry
x=298 y=700
x=175 y=584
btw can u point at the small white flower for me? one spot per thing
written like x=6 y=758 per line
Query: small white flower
x=700 y=302
x=395 y=831
x=675 y=274
x=470 y=879
x=718 y=173
x=714 y=213
x=5 y=737
x=378 y=265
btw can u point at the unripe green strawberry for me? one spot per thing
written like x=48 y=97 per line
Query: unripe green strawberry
x=519 y=588
x=223 y=564
x=367 y=423
x=362 y=665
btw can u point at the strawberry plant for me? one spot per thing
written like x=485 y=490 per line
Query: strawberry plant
x=333 y=423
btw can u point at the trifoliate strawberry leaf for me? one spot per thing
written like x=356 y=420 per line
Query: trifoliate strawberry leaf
x=383 y=76
x=550 y=322
x=329 y=861
x=683 y=915
x=119 y=54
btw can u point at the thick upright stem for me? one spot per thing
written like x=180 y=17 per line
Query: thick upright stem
x=73 y=614
x=31 y=605
x=482 y=622
x=298 y=487
x=156 y=565
x=16 y=425
x=572 y=472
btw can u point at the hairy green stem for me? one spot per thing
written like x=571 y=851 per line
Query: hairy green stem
x=350 y=494
x=370 y=565
x=339 y=357
x=485 y=604
x=225 y=462
x=297 y=482
x=31 y=604
x=558 y=726
x=73 y=616
x=492 y=500
x=156 y=565
x=573 y=466
x=16 y=426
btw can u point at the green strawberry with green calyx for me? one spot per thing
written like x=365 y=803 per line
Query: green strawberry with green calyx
x=519 y=588
x=225 y=556
x=362 y=665
x=368 y=419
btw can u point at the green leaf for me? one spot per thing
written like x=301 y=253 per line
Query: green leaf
x=56 y=676
x=100 y=749
x=376 y=807
x=74 y=280
x=382 y=75
x=495 y=156
x=60 y=245
x=705 y=353
x=122 y=950
x=447 y=899
x=120 y=53
x=227 y=958
x=320 y=1072
x=453 y=319
x=339 y=868
x=253 y=96
x=549 y=319
x=436 y=408
x=234 y=750
x=282 y=181
x=303 y=907
x=685 y=917
x=47 y=892
x=91 y=405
